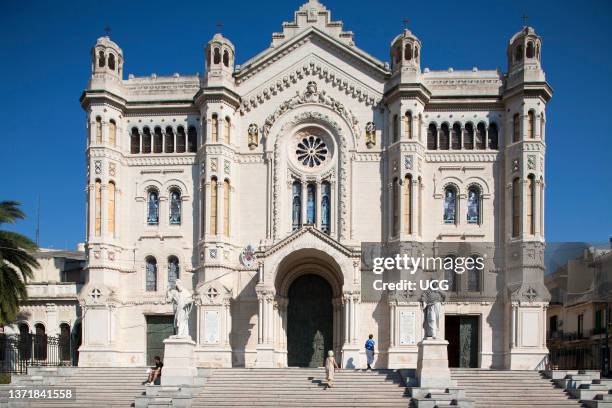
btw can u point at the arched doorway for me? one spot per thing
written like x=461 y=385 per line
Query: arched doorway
x=309 y=321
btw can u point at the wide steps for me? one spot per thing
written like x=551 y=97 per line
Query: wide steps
x=511 y=389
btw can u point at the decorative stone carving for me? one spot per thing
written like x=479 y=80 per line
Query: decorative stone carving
x=370 y=130
x=311 y=95
x=253 y=139
x=515 y=165
x=226 y=167
x=408 y=162
x=213 y=165
x=531 y=162
x=247 y=256
x=98 y=166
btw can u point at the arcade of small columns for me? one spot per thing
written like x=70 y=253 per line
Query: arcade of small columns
x=272 y=319
x=317 y=183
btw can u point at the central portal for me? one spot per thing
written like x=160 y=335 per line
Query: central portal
x=309 y=321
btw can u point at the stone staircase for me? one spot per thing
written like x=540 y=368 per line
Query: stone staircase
x=113 y=387
x=585 y=385
x=511 y=389
x=301 y=387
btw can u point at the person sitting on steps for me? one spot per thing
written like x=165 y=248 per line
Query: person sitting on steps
x=154 y=372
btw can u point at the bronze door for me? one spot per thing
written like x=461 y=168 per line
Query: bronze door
x=159 y=328
x=309 y=321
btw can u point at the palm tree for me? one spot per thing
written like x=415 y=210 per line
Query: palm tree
x=16 y=263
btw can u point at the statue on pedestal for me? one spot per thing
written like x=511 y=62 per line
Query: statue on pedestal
x=182 y=300
x=431 y=301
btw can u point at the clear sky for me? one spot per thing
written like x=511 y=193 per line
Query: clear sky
x=44 y=66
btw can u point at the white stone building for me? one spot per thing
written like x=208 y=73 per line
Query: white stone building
x=295 y=157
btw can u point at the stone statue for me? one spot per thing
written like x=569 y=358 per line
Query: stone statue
x=182 y=301
x=431 y=301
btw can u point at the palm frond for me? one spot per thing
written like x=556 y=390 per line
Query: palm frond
x=10 y=212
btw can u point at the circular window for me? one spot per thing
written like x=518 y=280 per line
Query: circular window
x=311 y=151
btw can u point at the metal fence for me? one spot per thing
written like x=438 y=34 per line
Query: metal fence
x=17 y=352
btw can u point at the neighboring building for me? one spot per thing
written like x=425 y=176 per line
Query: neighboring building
x=255 y=184
x=52 y=308
x=581 y=295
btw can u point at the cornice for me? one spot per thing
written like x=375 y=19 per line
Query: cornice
x=438 y=157
x=161 y=160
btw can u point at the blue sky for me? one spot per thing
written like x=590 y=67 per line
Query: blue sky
x=45 y=66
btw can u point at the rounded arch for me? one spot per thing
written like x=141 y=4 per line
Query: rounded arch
x=308 y=261
x=177 y=184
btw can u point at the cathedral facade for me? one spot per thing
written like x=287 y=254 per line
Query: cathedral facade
x=256 y=185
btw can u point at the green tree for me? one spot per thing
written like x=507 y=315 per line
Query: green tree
x=16 y=262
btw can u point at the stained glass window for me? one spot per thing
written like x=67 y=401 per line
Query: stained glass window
x=311 y=193
x=450 y=205
x=151 y=274
x=473 y=205
x=173 y=271
x=175 y=207
x=297 y=205
x=153 y=208
x=325 y=207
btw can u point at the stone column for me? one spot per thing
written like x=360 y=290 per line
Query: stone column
x=350 y=350
x=304 y=202
x=265 y=348
x=317 y=220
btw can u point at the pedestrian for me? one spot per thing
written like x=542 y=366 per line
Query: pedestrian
x=330 y=367
x=369 y=348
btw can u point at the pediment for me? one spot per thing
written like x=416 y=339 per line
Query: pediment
x=310 y=237
x=363 y=61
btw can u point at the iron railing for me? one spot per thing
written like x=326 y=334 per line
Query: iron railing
x=17 y=352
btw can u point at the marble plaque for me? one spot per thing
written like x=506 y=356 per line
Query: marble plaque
x=407 y=327
x=211 y=327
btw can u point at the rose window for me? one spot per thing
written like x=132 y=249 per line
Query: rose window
x=311 y=151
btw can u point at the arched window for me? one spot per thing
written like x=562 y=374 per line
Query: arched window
x=158 y=140
x=395 y=129
x=444 y=137
x=311 y=199
x=64 y=342
x=325 y=207
x=175 y=207
x=98 y=207
x=516 y=207
x=111 y=62
x=542 y=126
x=40 y=342
x=541 y=203
x=153 y=207
x=531 y=185
x=226 y=58
x=135 y=141
x=112 y=192
x=456 y=137
x=101 y=59
x=450 y=205
x=473 y=205
x=226 y=208
x=518 y=53
x=112 y=133
x=203 y=208
x=213 y=205
x=473 y=275
x=493 y=136
x=173 y=271
x=214 y=124
x=531 y=125
x=448 y=265
x=192 y=139
x=146 y=140
x=530 y=50
x=407 y=52
x=398 y=55
x=151 y=274
x=469 y=137
x=180 y=140
x=408 y=125
x=408 y=204
x=216 y=56
x=98 y=130
x=296 y=205
x=169 y=148
x=396 y=206
x=538 y=51
x=416 y=52
x=481 y=136
x=432 y=137
x=25 y=342
x=516 y=128
x=226 y=130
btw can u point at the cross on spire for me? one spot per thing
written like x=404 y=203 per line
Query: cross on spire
x=219 y=26
x=405 y=21
x=107 y=30
x=525 y=18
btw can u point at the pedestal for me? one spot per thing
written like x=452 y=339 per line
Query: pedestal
x=432 y=364
x=350 y=357
x=179 y=361
x=265 y=356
